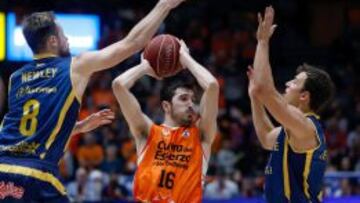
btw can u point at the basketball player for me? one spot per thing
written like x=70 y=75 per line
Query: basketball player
x=173 y=156
x=44 y=101
x=297 y=163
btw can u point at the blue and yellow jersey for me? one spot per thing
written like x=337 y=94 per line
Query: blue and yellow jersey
x=42 y=111
x=296 y=176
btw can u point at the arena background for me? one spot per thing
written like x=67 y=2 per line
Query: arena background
x=221 y=35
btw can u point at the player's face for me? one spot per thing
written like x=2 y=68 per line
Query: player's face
x=182 y=107
x=294 y=89
x=63 y=48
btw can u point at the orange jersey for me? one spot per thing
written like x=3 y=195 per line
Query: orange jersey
x=171 y=166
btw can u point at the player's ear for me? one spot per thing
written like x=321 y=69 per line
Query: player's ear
x=305 y=96
x=52 y=41
x=166 y=106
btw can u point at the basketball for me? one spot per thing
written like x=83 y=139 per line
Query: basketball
x=162 y=52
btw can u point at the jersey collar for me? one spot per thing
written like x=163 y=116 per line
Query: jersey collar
x=42 y=56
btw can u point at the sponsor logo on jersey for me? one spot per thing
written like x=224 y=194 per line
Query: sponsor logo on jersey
x=186 y=134
x=10 y=190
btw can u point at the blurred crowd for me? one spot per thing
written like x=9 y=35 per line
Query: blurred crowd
x=100 y=165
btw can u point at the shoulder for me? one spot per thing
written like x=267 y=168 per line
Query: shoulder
x=21 y=70
x=157 y=130
x=194 y=128
x=64 y=60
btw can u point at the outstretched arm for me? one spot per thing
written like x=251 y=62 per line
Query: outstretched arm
x=139 y=123
x=265 y=130
x=210 y=98
x=95 y=120
x=86 y=64
x=264 y=89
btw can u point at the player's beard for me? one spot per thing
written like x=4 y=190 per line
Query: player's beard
x=181 y=119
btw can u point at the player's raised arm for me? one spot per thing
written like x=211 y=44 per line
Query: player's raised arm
x=264 y=89
x=87 y=63
x=265 y=130
x=139 y=123
x=210 y=98
x=90 y=62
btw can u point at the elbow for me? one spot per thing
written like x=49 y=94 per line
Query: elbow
x=263 y=142
x=262 y=91
x=265 y=145
x=257 y=90
x=117 y=84
x=214 y=85
x=139 y=43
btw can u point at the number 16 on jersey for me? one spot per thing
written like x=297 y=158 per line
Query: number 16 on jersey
x=166 y=179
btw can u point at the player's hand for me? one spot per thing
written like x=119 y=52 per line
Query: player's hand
x=149 y=70
x=183 y=53
x=172 y=3
x=266 y=27
x=95 y=120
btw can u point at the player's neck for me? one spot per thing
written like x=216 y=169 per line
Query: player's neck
x=170 y=122
x=45 y=54
x=305 y=109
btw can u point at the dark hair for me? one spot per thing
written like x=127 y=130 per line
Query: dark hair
x=320 y=86
x=172 y=83
x=37 y=28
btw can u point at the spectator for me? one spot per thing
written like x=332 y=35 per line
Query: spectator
x=128 y=151
x=77 y=189
x=335 y=137
x=353 y=139
x=108 y=136
x=114 y=191
x=96 y=185
x=113 y=162
x=226 y=158
x=222 y=187
x=90 y=154
x=344 y=190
